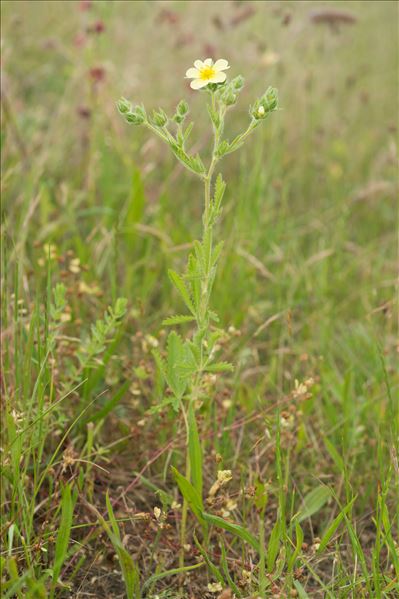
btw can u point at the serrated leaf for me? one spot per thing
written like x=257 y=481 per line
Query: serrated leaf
x=194 y=274
x=182 y=289
x=199 y=253
x=187 y=131
x=193 y=163
x=313 y=502
x=160 y=362
x=196 y=351
x=177 y=319
x=220 y=187
x=213 y=316
x=167 y=401
x=176 y=355
x=216 y=252
x=223 y=148
x=186 y=369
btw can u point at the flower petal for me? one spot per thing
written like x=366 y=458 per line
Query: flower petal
x=218 y=78
x=221 y=64
x=198 y=83
x=208 y=62
x=198 y=64
x=192 y=73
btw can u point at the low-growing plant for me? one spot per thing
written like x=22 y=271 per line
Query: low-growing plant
x=190 y=360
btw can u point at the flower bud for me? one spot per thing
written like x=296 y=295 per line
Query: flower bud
x=270 y=99
x=182 y=108
x=134 y=118
x=229 y=97
x=268 y=103
x=124 y=106
x=160 y=118
x=237 y=83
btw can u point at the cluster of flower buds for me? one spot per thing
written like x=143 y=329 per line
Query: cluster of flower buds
x=231 y=90
x=133 y=115
x=265 y=105
x=181 y=112
x=159 y=118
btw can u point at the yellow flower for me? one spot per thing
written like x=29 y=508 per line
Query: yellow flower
x=207 y=71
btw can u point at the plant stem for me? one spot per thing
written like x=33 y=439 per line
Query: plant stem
x=202 y=323
x=184 y=510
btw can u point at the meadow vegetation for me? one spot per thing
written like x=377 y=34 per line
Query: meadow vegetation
x=265 y=462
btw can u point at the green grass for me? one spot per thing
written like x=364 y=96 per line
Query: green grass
x=306 y=278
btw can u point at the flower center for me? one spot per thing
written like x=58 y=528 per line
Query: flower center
x=207 y=73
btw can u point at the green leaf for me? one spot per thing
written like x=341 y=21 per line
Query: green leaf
x=193 y=163
x=182 y=289
x=216 y=252
x=260 y=498
x=176 y=356
x=213 y=316
x=225 y=566
x=333 y=526
x=338 y=461
x=191 y=495
x=177 y=319
x=160 y=362
x=195 y=451
x=167 y=401
x=313 y=502
x=130 y=571
x=220 y=187
x=219 y=367
x=302 y=594
x=200 y=255
x=194 y=274
x=235 y=529
x=211 y=566
x=273 y=546
x=63 y=535
x=298 y=546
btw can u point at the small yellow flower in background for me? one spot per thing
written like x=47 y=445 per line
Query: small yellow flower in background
x=224 y=476
x=215 y=587
x=207 y=71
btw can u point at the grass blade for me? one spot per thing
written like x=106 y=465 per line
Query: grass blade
x=235 y=529
x=63 y=535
